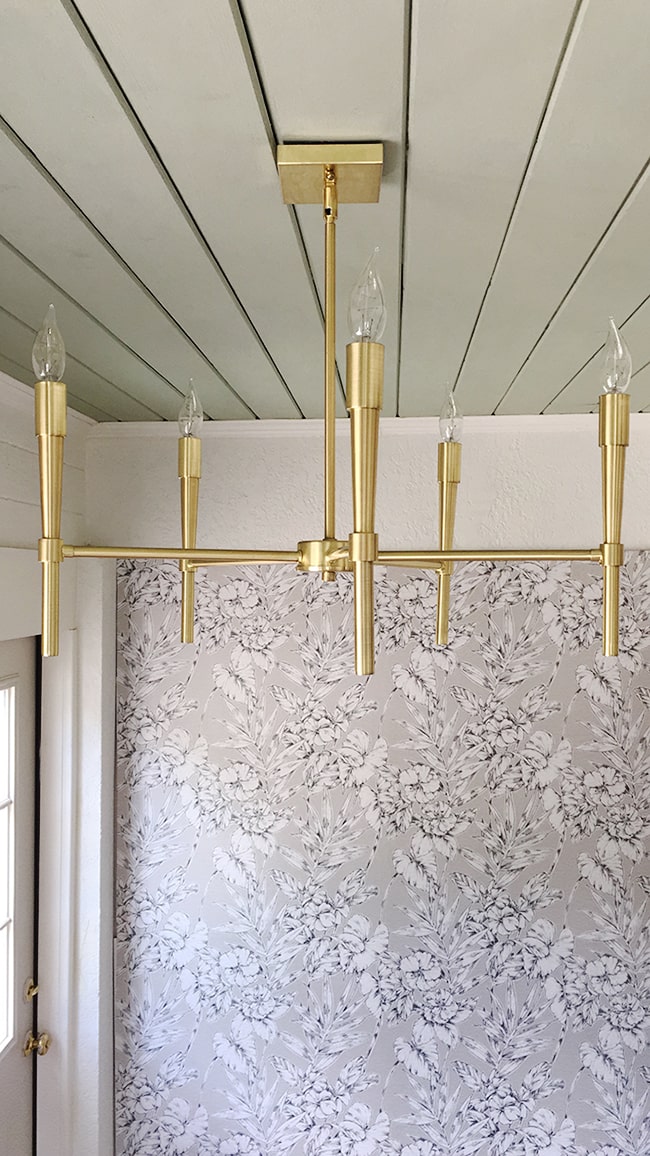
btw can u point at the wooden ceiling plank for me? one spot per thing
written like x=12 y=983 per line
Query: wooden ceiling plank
x=613 y=283
x=335 y=72
x=38 y=221
x=188 y=79
x=90 y=145
x=480 y=75
x=593 y=146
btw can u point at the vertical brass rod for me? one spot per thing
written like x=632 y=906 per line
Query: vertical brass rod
x=187 y=605
x=50 y=415
x=330 y=207
x=365 y=379
x=611 y=595
x=364 y=614
x=449 y=454
x=442 y=606
x=613 y=438
x=189 y=472
x=50 y=609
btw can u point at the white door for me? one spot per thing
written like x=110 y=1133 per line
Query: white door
x=17 y=782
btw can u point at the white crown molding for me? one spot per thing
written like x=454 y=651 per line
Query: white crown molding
x=390 y=426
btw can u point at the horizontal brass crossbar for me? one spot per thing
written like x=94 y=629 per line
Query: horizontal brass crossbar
x=416 y=558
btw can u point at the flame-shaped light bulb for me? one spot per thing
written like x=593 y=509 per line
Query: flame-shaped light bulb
x=48 y=350
x=190 y=415
x=451 y=420
x=617 y=366
x=367 y=311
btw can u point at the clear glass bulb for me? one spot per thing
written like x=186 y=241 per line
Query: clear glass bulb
x=451 y=420
x=617 y=366
x=48 y=350
x=367 y=311
x=190 y=414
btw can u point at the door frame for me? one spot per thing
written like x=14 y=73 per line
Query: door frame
x=18 y=673
x=74 y=1091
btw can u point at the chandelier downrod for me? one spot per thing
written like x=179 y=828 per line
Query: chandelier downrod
x=330 y=213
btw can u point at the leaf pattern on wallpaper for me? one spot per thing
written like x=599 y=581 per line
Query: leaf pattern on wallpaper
x=404 y=915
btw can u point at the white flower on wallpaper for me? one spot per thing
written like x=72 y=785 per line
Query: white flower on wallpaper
x=404 y=915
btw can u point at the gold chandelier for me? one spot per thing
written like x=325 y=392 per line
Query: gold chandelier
x=329 y=175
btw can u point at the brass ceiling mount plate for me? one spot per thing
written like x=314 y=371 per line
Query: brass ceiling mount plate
x=358 y=170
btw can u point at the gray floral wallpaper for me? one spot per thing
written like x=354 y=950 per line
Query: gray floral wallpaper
x=403 y=915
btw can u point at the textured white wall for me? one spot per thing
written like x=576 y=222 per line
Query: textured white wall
x=526 y=482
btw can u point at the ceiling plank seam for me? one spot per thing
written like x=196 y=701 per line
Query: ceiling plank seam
x=58 y=289
x=264 y=105
x=602 y=240
x=30 y=155
x=103 y=63
x=73 y=397
x=564 y=54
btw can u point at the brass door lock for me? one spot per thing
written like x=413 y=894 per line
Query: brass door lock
x=30 y=991
x=39 y=1044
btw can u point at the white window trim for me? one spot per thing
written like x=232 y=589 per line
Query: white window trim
x=75 y=1114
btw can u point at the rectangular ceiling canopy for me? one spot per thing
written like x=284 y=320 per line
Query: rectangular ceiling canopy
x=358 y=170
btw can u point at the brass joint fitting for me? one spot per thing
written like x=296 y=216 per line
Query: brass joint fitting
x=363 y=547
x=449 y=455
x=50 y=409
x=189 y=457
x=613 y=554
x=330 y=196
x=50 y=549
x=187 y=567
x=614 y=419
x=320 y=554
x=365 y=375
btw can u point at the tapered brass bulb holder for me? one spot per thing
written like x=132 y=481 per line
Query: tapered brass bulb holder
x=449 y=456
x=189 y=472
x=50 y=415
x=365 y=385
x=613 y=439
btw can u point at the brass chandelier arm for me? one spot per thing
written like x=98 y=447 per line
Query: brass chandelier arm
x=194 y=557
x=435 y=559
